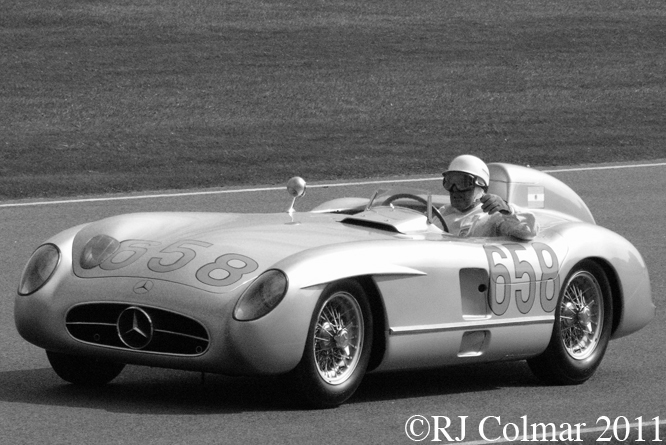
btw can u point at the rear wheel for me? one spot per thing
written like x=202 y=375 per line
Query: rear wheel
x=338 y=347
x=83 y=371
x=582 y=328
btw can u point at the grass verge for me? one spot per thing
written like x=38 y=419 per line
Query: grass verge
x=143 y=94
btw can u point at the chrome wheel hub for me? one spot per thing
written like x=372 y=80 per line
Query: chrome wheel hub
x=581 y=315
x=338 y=338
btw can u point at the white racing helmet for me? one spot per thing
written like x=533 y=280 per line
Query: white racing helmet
x=473 y=166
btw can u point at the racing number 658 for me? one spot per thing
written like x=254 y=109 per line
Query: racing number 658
x=224 y=271
x=517 y=277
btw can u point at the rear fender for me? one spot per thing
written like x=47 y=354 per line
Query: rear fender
x=625 y=268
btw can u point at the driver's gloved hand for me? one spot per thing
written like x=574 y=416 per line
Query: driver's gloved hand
x=492 y=204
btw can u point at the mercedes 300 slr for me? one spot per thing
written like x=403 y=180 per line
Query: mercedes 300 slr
x=355 y=285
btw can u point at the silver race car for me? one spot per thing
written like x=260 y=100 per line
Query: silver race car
x=352 y=286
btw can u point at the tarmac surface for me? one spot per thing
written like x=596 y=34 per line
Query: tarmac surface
x=461 y=404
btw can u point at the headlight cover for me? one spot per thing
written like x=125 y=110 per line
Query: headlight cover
x=263 y=295
x=98 y=250
x=39 y=269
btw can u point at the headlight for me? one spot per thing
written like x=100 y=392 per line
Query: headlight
x=39 y=269
x=98 y=250
x=262 y=296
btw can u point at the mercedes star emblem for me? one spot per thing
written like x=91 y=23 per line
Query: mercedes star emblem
x=135 y=328
x=143 y=286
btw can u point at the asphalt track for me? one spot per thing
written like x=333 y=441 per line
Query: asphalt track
x=155 y=406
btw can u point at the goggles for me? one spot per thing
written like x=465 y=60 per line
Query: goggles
x=463 y=182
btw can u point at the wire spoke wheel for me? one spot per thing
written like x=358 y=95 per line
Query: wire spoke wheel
x=581 y=315
x=337 y=348
x=338 y=338
x=581 y=329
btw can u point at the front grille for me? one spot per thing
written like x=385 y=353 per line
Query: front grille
x=97 y=323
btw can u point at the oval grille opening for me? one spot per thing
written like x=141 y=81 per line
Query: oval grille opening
x=172 y=333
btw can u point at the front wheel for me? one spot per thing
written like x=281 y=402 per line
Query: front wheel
x=582 y=328
x=337 y=349
x=84 y=371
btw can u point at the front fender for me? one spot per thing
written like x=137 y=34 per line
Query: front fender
x=328 y=264
x=274 y=343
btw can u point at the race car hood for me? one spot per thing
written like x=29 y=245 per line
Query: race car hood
x=211 y=251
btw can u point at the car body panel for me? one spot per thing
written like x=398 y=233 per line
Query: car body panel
x=152 y=240
x=439 y=299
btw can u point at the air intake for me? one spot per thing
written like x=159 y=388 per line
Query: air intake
x=131 y=327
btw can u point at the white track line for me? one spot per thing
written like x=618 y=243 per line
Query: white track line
x=270 y=189
x=606 y=167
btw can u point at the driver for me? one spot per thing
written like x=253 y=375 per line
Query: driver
x=475 y=212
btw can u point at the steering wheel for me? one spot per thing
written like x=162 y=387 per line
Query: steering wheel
x=435 y=211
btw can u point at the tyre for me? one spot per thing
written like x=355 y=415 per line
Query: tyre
x=337 y=349
x=582 y=328
x=83 y=371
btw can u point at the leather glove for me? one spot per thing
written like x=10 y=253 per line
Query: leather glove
x=492 y=204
